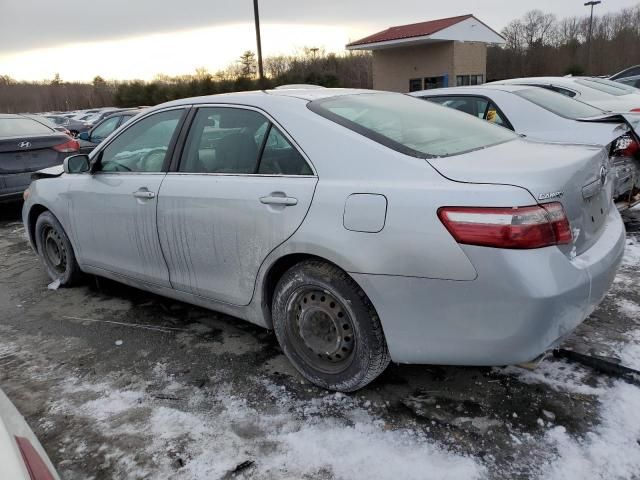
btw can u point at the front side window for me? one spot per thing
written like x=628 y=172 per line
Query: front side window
x=409 y=125
x=103 y=130
x=558 y=104
x=143 y=146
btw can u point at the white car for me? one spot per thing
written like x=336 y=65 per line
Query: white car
x=599 y=92
x=540 y=114
x=21 y=455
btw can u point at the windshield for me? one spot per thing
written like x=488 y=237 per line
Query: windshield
x=559 y=104
x=606 y=86
x=410 y=125
x=20 y=126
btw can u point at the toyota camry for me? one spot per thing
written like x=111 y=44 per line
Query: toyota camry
x=363 y=227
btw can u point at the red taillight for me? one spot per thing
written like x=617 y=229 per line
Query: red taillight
x=625 y=146
x=36 y=466
x=635 y=110
x=67 y=147
x=520 y=227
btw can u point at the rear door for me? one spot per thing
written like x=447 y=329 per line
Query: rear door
x=242 y=188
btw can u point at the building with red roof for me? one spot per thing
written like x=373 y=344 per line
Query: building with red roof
x=437 y=53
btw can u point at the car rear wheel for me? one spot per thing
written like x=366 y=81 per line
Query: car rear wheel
x=328 y=328
x=55 y=250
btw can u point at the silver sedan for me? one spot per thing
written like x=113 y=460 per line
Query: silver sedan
x=540 y=114
x=363 y=227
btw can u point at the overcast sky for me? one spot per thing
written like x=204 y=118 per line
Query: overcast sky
x=140 y=38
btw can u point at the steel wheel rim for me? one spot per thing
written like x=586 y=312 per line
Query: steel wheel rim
x=321 y=329
x=54 y=251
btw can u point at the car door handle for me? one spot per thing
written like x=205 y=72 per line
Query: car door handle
x=144 y=194
x=276 y=200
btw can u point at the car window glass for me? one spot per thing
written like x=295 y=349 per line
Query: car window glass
x=104 y=129
x=493 y=115
x=558 y=104
x=606 y=86
x=475 y=106
x=563 y=91
x=408 y=125
x=18 y=126
x=224 y=140
x=143 y=146
x=281 y=158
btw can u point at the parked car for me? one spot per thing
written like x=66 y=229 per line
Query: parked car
x=630 y=81
x=49 y=123
x=627 y=72
x=598 y=92
x=361 y=226
x=21 y=454
x=25 y=147
x=89 y=140
x=74 y=126
x=540 y=114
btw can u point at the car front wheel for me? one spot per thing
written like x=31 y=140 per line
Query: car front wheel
x=328 y=328
x=55 y=250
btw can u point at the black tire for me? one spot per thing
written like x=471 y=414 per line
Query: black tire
x=55 y=250
x=328 y=328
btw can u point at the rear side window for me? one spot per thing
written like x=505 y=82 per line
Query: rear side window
x=239 y=141
x=479 y=107
x=20 y=126
x=559 y=104
x=410 y=125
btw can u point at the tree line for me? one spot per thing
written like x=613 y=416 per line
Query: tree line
x=540 y=44
x=536 y=44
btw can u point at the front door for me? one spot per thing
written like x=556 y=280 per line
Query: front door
x=241 y=190
x=113 y=210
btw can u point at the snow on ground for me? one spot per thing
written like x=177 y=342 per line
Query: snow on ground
x=294 y=440
x=612 y=450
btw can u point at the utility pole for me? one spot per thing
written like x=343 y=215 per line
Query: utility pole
x=256 y=14
x=589 y=4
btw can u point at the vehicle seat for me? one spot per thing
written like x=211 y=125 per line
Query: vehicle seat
x=237 y=153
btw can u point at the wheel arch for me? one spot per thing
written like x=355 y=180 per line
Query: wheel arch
x=278 y=268
x=35 y=211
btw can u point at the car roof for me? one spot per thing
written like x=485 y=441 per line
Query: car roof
x=262 y=96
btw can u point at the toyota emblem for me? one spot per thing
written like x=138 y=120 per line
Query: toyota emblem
x=603 y=175
x=24 y=144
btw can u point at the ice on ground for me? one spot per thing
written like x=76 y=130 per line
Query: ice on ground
x=629 y=308
x=54 y=285
x=631 y=253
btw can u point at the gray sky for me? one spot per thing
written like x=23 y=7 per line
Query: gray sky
x=38 y=24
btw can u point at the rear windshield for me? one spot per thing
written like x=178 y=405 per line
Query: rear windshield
x=20 y=126
x=410 y=125
x=559 y=104
x=606 y=86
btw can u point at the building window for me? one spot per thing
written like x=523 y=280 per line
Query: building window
x=433 y=82
x=415 y=84
x=462 y=80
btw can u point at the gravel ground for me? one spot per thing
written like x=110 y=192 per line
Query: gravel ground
x=120 y=383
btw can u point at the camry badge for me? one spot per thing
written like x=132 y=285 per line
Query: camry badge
x=24 y=144
x=547 y=196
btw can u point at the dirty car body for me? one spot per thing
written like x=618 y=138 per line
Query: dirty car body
x=544 y=115
x=459 y=254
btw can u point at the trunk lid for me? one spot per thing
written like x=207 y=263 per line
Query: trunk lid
x=28 y=154
x=576 y=176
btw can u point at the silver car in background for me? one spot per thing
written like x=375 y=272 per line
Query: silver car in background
x=363 y=227
x=599 y=92
x=540 y=114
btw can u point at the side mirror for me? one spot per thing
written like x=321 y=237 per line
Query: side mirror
x=76 y=164
x=84 y=136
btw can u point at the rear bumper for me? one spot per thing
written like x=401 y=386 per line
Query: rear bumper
x=523 y=303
